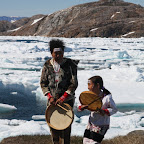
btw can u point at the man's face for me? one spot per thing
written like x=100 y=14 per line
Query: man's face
x=58 y=56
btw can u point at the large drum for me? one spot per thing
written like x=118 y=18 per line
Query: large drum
x=89 y=98
x=58 y=116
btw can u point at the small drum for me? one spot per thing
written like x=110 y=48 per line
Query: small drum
x=58 y=116
x=91 y=99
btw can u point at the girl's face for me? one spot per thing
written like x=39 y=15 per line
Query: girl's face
x=94 y=88
x=90 y=85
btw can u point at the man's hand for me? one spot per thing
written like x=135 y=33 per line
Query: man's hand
x=59 y=101
x=62 y=98
x=52 y=100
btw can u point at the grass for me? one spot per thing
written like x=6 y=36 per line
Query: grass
x=37 y=139
x=133 y=138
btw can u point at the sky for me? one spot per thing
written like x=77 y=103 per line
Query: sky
x=29 y=8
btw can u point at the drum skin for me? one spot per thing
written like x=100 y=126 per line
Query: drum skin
x=59 y=117
x=88 y=97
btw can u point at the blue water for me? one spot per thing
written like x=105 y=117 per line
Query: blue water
x=26 y=105
x=129 y=107
x=23 y=99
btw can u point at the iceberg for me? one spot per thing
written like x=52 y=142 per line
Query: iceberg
x=7 y=108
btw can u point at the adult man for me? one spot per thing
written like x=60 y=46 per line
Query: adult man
x=58 y=83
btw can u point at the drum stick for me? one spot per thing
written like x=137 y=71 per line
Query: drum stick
x=62 y=107
x=65 y=110
x=94 y=100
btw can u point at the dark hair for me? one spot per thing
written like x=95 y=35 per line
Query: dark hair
x=98 y=79
x=56 y=43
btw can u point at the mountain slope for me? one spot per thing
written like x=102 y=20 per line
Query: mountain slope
x=105 y=18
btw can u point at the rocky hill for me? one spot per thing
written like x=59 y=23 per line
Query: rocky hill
x=105 y=18
x=8 y=28
x=6 y=25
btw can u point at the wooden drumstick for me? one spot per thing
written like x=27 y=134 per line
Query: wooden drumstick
x=62 y=107
x=94 y=100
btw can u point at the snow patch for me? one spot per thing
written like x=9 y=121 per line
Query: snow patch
x=114 y=15
x=128 y=34
x=35 y=21
x=14 y=29
x=94 y=29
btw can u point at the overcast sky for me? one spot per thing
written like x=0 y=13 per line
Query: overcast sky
x=29 y=8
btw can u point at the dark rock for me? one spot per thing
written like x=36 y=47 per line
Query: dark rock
x=6 y=25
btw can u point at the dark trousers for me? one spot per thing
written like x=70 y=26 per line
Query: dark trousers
x=61 y=136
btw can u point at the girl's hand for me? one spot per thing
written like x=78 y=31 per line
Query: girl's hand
x=82 y=107
x=102 y=112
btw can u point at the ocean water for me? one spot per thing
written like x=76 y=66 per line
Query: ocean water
x=138 y=107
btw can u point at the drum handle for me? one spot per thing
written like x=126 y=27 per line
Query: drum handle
x=62 y=107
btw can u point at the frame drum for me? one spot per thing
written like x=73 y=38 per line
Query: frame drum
x=58 y=116
x=91 y=99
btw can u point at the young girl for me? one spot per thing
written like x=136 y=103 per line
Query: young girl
x=99 y=120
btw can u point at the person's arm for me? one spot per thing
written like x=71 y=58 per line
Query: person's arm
x=44 y=81
x=112 y=109
x=44 y=85
x=109 y=107
x=73 y=82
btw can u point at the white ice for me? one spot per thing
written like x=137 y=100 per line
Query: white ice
x=6 y=108
x=118 y=60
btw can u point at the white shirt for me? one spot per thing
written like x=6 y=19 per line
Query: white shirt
x=97 y=119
